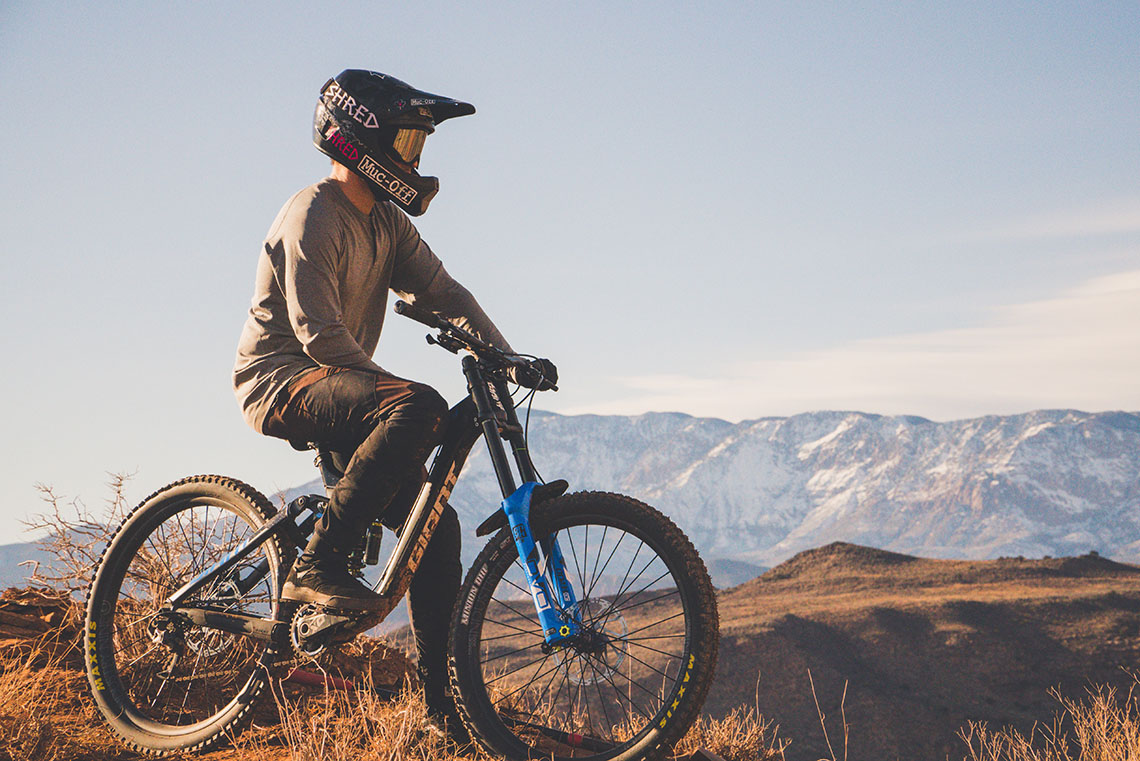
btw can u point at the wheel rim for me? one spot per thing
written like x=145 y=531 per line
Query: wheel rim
x=618 y=680
x=212 y=667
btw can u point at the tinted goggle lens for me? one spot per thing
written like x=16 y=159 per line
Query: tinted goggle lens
x=409 y=143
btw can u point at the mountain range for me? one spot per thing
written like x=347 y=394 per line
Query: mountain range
x=754 y=493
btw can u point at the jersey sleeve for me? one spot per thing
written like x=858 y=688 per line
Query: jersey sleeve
x=419 y=277
x=310 y=252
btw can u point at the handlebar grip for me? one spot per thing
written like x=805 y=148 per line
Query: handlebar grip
x=419 y=314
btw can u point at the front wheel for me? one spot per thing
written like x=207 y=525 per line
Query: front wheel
x=632 y=683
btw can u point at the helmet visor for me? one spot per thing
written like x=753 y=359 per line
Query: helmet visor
x=408 y=144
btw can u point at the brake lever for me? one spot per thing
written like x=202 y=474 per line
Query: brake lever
x=446 y=341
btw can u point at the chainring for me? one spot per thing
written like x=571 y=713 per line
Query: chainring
x=313 y=630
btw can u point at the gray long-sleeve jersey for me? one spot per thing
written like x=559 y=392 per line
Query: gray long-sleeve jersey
x=322 y=290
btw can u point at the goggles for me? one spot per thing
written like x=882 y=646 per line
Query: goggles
x=408 y=144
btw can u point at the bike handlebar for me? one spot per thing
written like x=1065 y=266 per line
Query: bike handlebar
x=456 y=337
x=466 y=338
x=421 y=315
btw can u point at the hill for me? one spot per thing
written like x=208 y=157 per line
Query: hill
x=12 y=574
x=924 y=646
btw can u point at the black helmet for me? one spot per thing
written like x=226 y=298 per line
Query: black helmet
x=376 y=125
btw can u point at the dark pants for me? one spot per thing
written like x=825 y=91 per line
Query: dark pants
x=381 y=428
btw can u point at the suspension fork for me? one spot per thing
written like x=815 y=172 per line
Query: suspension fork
x=553 y=597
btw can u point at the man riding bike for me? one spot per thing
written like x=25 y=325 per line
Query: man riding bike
x=304 y=369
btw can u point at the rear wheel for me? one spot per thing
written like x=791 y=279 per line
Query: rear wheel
x=633 y=681
x=163 y=683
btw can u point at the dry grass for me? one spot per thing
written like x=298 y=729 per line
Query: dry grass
x=46 y=715
x=743 y=735
x=1102 y=727
x=348 y=726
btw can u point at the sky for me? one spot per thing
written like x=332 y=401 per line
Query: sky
x=726 y=209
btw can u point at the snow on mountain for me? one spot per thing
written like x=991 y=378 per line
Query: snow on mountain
x=1049 y=482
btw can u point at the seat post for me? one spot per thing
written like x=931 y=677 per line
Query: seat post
x=326 y=464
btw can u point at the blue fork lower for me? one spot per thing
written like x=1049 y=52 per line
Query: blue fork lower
x=546 y=579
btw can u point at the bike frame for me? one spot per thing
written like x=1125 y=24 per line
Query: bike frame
x=487 y=411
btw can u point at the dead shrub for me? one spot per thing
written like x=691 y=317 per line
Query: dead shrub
x=1102 y=727
x=74 y=537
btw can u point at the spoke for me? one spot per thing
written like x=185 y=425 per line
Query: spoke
x=644 y=602
x=565 y=683
x=624 y=637
x=189 y=545
x=643 y=663
x=161 y=687
x=515 y=671
x=612 y=609
x=159 y=553
x=581 y=689
x=596 y=576
x=676 y=656
x=632 y=581
x=512 y=652
x=141 y=579
x=601 y=700
x=511 y=626
x=622 y=586
x=234 y=522
x=165 y=546
x=639 y=686
x=190 y=683
x=207 y=561
x=137 y=620
x=516 y=586
x=152 y=648
x=598 y=557
x=533 y=632
x=586 y=555
x=629 y=699
x=522 y=570
x=650 y=626
x=574 y=553
x=512 y=610
x=546 y=688
x=528 y=684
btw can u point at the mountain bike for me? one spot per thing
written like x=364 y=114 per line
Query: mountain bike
x=586 y=627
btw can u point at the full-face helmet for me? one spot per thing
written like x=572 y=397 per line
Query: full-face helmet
x=376 y=125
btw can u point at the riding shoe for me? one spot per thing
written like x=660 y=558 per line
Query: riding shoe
x=321 y=576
